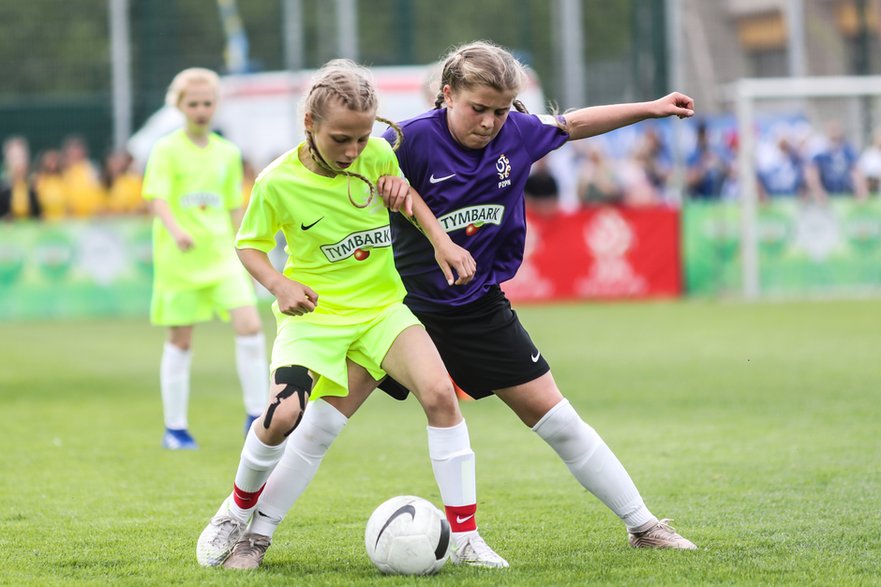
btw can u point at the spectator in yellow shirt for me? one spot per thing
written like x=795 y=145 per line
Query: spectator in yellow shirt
x=122 y=184
x=50 y=186
x=84 y=191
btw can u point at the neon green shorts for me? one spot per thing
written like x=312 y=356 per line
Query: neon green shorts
x=190 y=306
x=323 y=348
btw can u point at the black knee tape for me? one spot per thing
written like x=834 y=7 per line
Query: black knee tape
x=297 y=381
x=294 y=375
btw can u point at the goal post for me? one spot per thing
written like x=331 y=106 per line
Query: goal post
x=747 y=92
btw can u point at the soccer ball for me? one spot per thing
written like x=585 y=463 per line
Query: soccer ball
x=407 y=535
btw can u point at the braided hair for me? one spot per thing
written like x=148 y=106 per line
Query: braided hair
x=352 y=86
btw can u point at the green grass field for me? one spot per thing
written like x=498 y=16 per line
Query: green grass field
x=755 y=426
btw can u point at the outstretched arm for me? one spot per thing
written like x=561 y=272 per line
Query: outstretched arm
x=596 y=120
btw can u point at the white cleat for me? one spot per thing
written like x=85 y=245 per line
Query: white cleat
x=219 y=537
x=470 y=549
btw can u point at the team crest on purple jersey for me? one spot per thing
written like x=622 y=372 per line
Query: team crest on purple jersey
x=503 y=167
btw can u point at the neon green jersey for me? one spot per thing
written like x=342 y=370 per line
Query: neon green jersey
x=201 y=186
x=342 y=252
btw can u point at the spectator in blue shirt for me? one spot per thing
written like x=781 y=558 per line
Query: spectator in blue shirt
x=780 y=166
x=832 y=170
x=707 y=168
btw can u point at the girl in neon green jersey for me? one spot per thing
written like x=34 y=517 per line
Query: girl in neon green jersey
x=342 y=324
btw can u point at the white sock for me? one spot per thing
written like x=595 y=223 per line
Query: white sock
x=453 y=463
x=463 y=537
x=253 y=371
x=306 y=448
x=593 y=463
x=256 y=463
x=174 y=384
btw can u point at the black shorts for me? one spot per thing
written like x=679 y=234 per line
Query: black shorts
x=483 y=345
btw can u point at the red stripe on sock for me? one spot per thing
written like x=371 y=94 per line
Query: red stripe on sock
x=461 y=517
x=245 y=499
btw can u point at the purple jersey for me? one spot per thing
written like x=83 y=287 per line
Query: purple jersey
x=476 y=195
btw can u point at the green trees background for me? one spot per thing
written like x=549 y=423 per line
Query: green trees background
x=55 y=54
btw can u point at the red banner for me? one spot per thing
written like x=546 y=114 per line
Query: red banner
x=600 y=253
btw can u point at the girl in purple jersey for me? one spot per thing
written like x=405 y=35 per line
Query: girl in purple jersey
x=469 y=159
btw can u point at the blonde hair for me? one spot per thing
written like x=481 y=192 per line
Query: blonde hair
x=187 y=77
x=352 y=86
x=482 y=63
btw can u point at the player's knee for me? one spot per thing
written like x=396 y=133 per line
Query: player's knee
x=181 y=343
x=439 y=398
x=246 y=321
x=282 y=412
x=288 y=398
x=249 y=326
x=248 y=330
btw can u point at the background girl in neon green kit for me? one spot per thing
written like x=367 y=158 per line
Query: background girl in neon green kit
x=342 y=324
x=193 y=181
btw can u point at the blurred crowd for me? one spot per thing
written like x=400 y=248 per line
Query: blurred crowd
x=66 y=183
x=793 y=160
